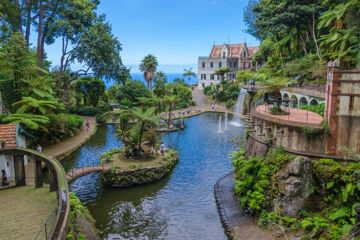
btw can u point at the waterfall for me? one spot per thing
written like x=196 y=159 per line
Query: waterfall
x=240 y=101
x=226 y=121
x=219 y=130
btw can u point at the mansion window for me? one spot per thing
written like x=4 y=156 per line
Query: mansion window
x=203 y=76
x=234 y=64
x=249 y=65
x=224 y=55
x=220 y=64
x=211 y=64
x=203 y=64
x=212 y=77
x=218 y=77
x=244 y=65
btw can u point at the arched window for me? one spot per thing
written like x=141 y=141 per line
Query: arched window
x=224 y=54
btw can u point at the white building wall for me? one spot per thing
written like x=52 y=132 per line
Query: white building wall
x=7 y=164
x=22 y=143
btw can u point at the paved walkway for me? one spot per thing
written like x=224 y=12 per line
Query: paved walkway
x=23 y=212
x=67 y=145
x=296 y=115
x=236 y=223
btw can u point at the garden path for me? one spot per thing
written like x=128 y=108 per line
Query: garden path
x=69 y=144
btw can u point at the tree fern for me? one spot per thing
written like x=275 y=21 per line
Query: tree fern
x=29 y=120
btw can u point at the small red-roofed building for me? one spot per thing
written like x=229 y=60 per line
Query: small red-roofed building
x=11 y=136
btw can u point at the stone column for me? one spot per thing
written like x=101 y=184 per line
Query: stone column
x=19 y=170
x=52 y=180
x=331 y=104
x=38 y=173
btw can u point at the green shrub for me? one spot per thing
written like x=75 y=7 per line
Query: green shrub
x=107 y=156
x=100 y=118
x=319 y=109
x=230 y=103
x=85 y=111
x=278 y=111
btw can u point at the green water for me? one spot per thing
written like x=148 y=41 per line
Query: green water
x=179 y=206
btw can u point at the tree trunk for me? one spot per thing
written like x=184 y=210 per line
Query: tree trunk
x=39 y=47
x=314 y=38
x=169 y=115
x=140 y=138
x=28 y=21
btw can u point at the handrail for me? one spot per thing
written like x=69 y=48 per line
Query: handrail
x=63 y=209
x=357 y=233
x=44 y=226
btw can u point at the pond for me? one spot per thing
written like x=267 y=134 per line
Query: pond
x=179 y=206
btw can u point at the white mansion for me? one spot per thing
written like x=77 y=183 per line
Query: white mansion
x=235 y=56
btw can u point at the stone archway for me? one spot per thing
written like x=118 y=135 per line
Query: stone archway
x=303 y=102
x=285 y=97
x=294 y=101
x=313 y=102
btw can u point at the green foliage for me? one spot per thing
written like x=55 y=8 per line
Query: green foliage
x=278 y=111
x=107 y=156
x=89 y=90
x=319 y=108
x=159 y=84
x=255 y=178
x=230 y=103
x=85 y=111
x=132 y=91
x=313 y=132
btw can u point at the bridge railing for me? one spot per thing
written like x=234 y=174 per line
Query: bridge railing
x=47 y=227
x=60 y=228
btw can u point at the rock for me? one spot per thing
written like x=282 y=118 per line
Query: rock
x=295 y=184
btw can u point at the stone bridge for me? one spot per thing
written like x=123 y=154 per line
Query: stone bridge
x=299 y=97
x=74 y=174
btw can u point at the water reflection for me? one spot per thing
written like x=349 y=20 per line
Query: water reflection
x=181 y=205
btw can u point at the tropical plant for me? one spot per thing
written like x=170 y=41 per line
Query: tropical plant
x=170 y=102
x=131 y=91
x=148 y=66
x=189 y=73
x=31 y=121
x=35 y=106
x=159 y=84
x=222 y=71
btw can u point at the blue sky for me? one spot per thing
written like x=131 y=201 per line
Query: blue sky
x=177 y=32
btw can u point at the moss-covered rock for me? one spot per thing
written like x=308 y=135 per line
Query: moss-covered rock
x=141 y=175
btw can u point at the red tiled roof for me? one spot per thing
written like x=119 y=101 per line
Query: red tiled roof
x=234 y=50
x=8 y=134
x=216 y=51
x=253 y=50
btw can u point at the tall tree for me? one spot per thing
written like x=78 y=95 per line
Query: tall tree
x=148 y=66
x=189 y=73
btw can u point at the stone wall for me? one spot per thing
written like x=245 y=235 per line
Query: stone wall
x=124 y=178
x=291 y=136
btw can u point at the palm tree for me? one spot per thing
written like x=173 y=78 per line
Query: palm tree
x=148 y=67
x=222 y=71
x=170 y=101
x=133 y=122
x=188 y=73
x=144 y=117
